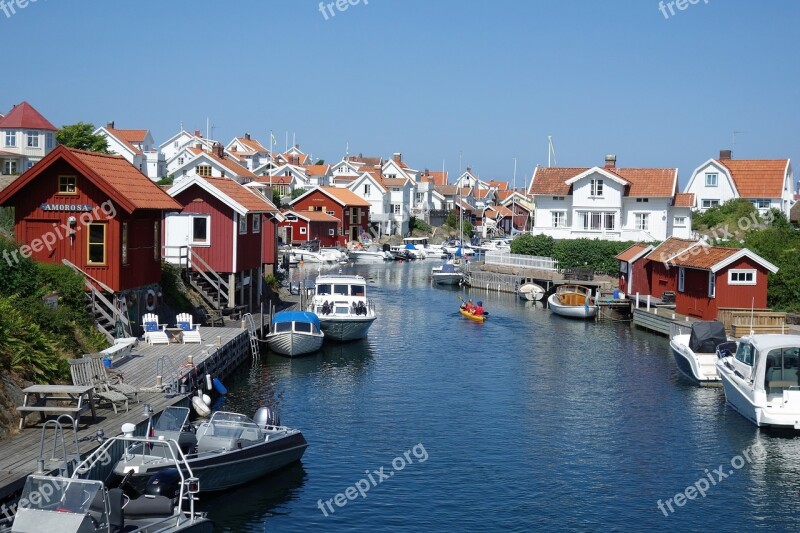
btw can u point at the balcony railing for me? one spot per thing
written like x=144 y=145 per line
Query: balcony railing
x=524 y=261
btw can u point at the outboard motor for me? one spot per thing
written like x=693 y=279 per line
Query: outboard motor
x=387 y=247
x=166 y=483
x=267 y=417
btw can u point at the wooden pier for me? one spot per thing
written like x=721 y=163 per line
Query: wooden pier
x=222 y=350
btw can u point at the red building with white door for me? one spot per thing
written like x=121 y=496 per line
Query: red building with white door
x=300 y=227
x=348 y=208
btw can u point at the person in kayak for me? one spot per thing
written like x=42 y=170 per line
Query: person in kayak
x=478 y=309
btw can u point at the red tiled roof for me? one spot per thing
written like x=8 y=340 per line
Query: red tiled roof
x=250 y=200
x=552 y=180
x=641 y=182
x=122 y=138
x=757 y=178
x=132 y=136
x=345 y=196
x=670 y=248
x=25 y=116
x=317 y=170
x=393 y=182
x=499 y=211
x=500 y=185
x=276 y=180
x=252 y=144
x=632 y=252
x=704 y=257
x=437 y=178
x=684 y=199
x=226 y=162
x=446 y=190
x=314 y=216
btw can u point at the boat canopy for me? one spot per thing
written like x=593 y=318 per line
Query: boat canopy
x=706 y=336
x=296 y=316
x=448 y=268
x=459 y=253
x=410 y=246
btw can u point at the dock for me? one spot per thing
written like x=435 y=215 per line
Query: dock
x=223 y=349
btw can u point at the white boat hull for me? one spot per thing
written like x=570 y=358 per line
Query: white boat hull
x=368 y=257
x=531 y=292
x=345 y=328
x=699 y=368
x=447 y=278
x=294 y=343
x=571 y=311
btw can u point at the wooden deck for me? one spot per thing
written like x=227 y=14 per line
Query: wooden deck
x=222 y=350
x=660 y=320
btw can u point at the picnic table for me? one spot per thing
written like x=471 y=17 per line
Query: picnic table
x=79 y=397
x=175 y=335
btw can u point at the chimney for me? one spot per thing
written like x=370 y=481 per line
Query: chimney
x=219 y=150
x=297 y=146
x=398 y=157
x=110 y=125
x=469 y=169
x=198 y=134
x=725 y=154
x=611 y=161
x=247 y=136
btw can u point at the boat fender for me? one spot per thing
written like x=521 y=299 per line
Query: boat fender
x=206 y=399
x=209 y=384
x=200 y=407
x=219 y=387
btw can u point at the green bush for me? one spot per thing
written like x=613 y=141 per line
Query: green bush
x=539 y=245
x=172 y=288
x=417 y=224
x=599 y=255
x=27 y=349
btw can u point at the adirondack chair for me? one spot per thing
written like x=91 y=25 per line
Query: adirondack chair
x=190 y=331
x=153 y=331
x=83 y=374
x=111 y=378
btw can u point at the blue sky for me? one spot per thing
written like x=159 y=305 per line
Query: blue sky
x=429 y=78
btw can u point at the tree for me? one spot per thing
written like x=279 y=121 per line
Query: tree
x=276 y=197
x=80 y=136
x=452 y=221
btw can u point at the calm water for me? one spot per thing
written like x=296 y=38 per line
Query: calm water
x=528 y=421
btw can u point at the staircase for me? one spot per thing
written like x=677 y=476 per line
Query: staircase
x=208 y=284
x=103 y=305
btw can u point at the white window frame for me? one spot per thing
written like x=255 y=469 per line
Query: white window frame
x=256 y=222
x=680 y=222
x=242 y=224
x=709 y=203
x=367 y=189
x=596 y=187
x=712 y=285
x=303 y=230
x=33 y=139
x=396 y=209
x=762 y=203
x=7 y=168
x=715 y=180
x=642 y=200
x=10 y=136
x=558 y=219
x=681 y=279
x=641 y=221
x=331 y=232
x=742 y=271
x=207 y=241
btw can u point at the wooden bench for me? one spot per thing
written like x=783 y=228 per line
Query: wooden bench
x=37 y=396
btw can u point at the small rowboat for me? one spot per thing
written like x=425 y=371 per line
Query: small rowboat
x=476 y=318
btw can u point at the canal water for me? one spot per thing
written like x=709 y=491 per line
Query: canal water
x=527 y=422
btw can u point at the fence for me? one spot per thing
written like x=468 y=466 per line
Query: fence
x=739 y=321
x=523 y=261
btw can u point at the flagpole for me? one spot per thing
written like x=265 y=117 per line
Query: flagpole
x=272 y=159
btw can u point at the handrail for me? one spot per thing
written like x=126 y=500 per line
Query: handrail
x=88 y=276
x=218 y=281
x=95 y=286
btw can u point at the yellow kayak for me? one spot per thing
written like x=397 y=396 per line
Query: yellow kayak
x=476 y=318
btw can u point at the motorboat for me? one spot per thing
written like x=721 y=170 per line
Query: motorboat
x=407 y=251
x=458 y=250
x=573 y=301
x=695 y=351
x=228 y=450
x=295 y=333
x=371 y=254
x=340 y=301
x=530 y=292
x=447 y=274
x=79 y=504
x=431 y=251
x=762 y=380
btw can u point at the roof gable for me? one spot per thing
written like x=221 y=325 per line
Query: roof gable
x=340 y=195
x=233 y=194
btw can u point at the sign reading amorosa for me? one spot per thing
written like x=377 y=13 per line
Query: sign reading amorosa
x=75 y=208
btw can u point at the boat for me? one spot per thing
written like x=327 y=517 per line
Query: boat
x=372 y=254
x=477 y=318
x=695 y=352
x=431 y=251
x=340 y=301
x=530 y=292
x=228 y=450
x=762 y=382
x=573 y=301
x=294 y=333
x=447 y=274
x=407 y=252
x=81 y=505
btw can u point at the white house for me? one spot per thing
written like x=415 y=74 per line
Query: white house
x=628 y=204
x=214 y=164
x=25 y=138
x=248 y=151
x=173 y=149
x=469 y=180
x=137 y=147
x=768 y=183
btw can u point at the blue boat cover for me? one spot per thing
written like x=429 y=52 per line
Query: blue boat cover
x=448 y=268
x=410 y=246
x=296 y=316
x=458 y=252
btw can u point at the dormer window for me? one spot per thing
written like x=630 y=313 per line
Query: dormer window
x=711 y=179
x=596 y=187
x=204 y=170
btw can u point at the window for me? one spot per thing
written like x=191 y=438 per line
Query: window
x=711 y=179
x=761 y=203
x=291 y=218
x=124 y=243
x=33 y=139
x=559 y=219
x=256 y=223
x=681 y=278
x=303 y=230
x=608 y=220
x=96 y=245
x=10 y=168
x=157 y=240
x=242 y=224
x=596 y=221
x=354 y=215
x=558 y=198
x=11 y=139
x=180 y=160
x=331 y=213
x=742 y=277
x=396 y=209
x=420 y=197
x=391 y=176
x=712 y=284
x=200 y=230
x=680 y=222
x=66 y=185
x=642 y=221
x=395 y=189
x=708 y=204
x=745 y=353
x=50 y=141
x=597 y=187
x=204 y=170
x=332 y=232
x=175 y=144
x=642 y=200
x=367 y=189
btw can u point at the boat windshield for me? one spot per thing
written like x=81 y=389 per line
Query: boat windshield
x=358 y=290
x=225 y=424
x=172 y=419
x=782 y=369
x=283 y=327
x=324 y=288
x=65 y=495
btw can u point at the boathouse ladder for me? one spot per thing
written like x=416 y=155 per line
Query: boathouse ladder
x=247 y=318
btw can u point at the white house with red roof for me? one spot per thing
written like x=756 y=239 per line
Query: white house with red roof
x=26 y=137
x=173 y=148
x=767 y=183
x=293 y=156
x=248 y=151
x=137 y=147
x=612 y=203
x=213 y=164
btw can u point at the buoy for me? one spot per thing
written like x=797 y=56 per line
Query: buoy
x=200 y=407
x=219 y=387
x=206 y=399
x=209 y=385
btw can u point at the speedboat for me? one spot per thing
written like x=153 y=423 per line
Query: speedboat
x=295 y=333
x=762 y=380
x=407 y=252
x=76 y=504
x=228 y=450
x=447 y=274
x=340 y=301
x=372 y=254
x=530 y=292
x=431 y=251
x=695 y=353
x=574 y=301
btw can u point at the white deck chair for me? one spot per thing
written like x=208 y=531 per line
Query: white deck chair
x=153 y=331
x=190 y=331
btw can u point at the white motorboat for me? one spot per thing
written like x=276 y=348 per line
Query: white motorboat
x=573 y=301
x=762 y=380
x=430 y=251
x=447 y=274
x=695 y=351
x=340 y=301
x=295 y=333
x=372 y=254
x=407 y=251
x=531 y=292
